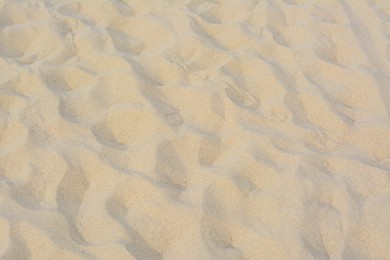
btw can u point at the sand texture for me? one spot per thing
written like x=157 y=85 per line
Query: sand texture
x=194 y=129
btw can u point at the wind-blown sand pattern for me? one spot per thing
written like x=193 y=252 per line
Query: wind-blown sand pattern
x=195 y=129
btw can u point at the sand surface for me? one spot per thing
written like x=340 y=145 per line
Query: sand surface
x=193 y=129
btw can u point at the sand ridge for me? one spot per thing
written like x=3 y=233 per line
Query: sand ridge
x=194 y=129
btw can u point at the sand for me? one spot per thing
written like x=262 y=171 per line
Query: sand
x=220 y=129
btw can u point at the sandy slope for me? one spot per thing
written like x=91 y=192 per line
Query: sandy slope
x=195 y=129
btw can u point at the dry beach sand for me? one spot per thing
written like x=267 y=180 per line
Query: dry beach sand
x=220 y=129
